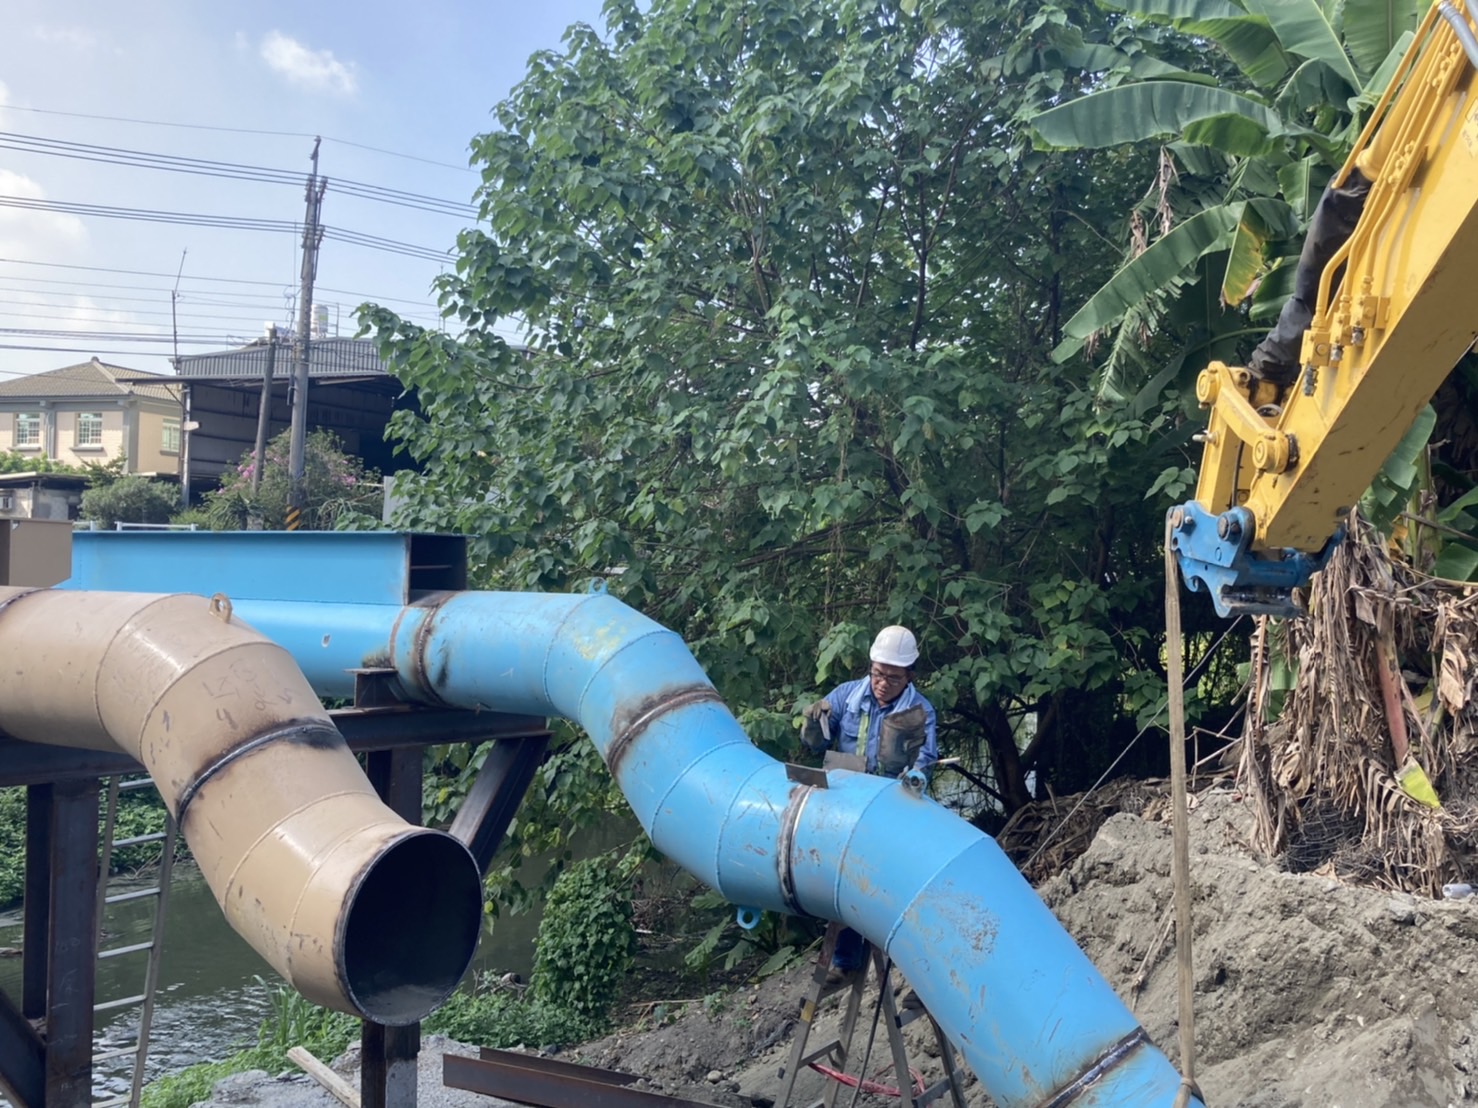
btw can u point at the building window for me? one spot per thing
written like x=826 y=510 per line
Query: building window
x=28 y=429
x=89 y=429
x=170 y=441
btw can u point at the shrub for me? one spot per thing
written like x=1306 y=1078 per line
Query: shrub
x=586 y=940
x=499 y=1017
x=336 y=487
x=131 y=499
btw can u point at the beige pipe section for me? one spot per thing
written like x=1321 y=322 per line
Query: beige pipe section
x=358 y=909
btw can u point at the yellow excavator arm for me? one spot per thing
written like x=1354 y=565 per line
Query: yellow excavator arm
x=1288 y=453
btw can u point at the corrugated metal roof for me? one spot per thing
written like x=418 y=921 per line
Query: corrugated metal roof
x=326 y=358
x=90 y=379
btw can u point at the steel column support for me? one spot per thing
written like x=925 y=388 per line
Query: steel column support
x=72 y=945
x=389 y=1056
x=37 y=901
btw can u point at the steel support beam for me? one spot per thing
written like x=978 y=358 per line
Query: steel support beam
x=365 y=730
x=546 y=1083
x=22 y=1058
x=490 y=805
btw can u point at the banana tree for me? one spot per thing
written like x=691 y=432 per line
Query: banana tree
x=1248 y=158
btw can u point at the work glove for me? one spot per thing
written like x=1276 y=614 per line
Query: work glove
x=900 y=739
x=816 y=725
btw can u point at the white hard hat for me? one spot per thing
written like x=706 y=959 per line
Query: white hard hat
x=895 y=646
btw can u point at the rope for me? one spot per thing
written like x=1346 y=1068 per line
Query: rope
x=868 y=1086
x=1180 y=824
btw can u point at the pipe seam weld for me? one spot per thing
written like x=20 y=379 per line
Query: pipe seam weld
x=785 y=847
x=295 y=731
x=1106 y=1062
x=615 y=751
x=18 y=595
x=431 y=605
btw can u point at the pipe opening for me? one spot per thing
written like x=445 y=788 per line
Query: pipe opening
x=411 y=928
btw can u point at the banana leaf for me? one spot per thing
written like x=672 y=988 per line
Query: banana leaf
x=1154 y=109
x=1304 y=30
x=1169 y=259
x=1372 y=28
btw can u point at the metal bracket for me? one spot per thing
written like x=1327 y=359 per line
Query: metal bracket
x=805 y=775
x=1214 y=554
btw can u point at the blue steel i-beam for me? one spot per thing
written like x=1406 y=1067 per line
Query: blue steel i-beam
x=1034 y=1019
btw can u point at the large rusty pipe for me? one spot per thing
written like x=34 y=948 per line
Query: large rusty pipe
x=358 y=909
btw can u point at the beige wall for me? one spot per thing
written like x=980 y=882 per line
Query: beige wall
x=67 y=450
x=151 y=456
x=137 y=431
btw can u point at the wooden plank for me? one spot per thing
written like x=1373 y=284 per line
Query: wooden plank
x=341 y=1089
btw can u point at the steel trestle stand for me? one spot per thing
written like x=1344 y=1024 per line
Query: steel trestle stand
x=839 y=1050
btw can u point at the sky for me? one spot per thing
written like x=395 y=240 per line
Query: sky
x=396 y=91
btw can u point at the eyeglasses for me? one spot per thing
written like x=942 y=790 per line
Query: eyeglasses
x=889 y=678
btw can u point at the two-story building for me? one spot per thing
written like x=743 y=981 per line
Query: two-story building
x=93 y=412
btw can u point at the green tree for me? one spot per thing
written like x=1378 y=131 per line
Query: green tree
x=790 y=271
x=338 y=490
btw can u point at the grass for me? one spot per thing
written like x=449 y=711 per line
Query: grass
x=293 y=1022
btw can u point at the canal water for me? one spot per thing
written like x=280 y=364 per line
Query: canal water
x=213 y=988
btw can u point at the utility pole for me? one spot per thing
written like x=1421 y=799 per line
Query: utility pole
x=174 y=326
x=264 y=412
x=312 y=236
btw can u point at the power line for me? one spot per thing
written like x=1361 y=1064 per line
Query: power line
x=240 y=131
x=174 y=163
x=139 y=272
x=223 y=222
x=361 y=297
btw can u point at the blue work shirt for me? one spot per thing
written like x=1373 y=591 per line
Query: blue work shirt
x=848 y=703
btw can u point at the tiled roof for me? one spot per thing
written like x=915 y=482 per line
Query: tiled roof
x=326 y=358
x=85 y=381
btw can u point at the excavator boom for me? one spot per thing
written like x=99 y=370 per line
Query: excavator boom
x=1286 y=456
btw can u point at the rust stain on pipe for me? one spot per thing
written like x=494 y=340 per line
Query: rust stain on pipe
x=631 y=720
x=359 y=910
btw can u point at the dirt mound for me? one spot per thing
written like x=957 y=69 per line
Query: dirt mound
x=1309 y=993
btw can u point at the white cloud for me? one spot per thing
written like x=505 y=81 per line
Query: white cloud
x=32 y=235
x=76 y=38
x=313 y=69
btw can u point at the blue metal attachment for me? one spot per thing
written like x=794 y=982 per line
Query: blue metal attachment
x=1214 y=554
x=747 y=918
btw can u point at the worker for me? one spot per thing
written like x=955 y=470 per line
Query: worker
x=888 y=721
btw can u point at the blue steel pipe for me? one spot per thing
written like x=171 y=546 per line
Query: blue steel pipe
x=1034 y=1019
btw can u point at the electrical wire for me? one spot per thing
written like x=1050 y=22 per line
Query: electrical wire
x=241 y=131
x=224 y=222
x=290 y=286
x=174 y=163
